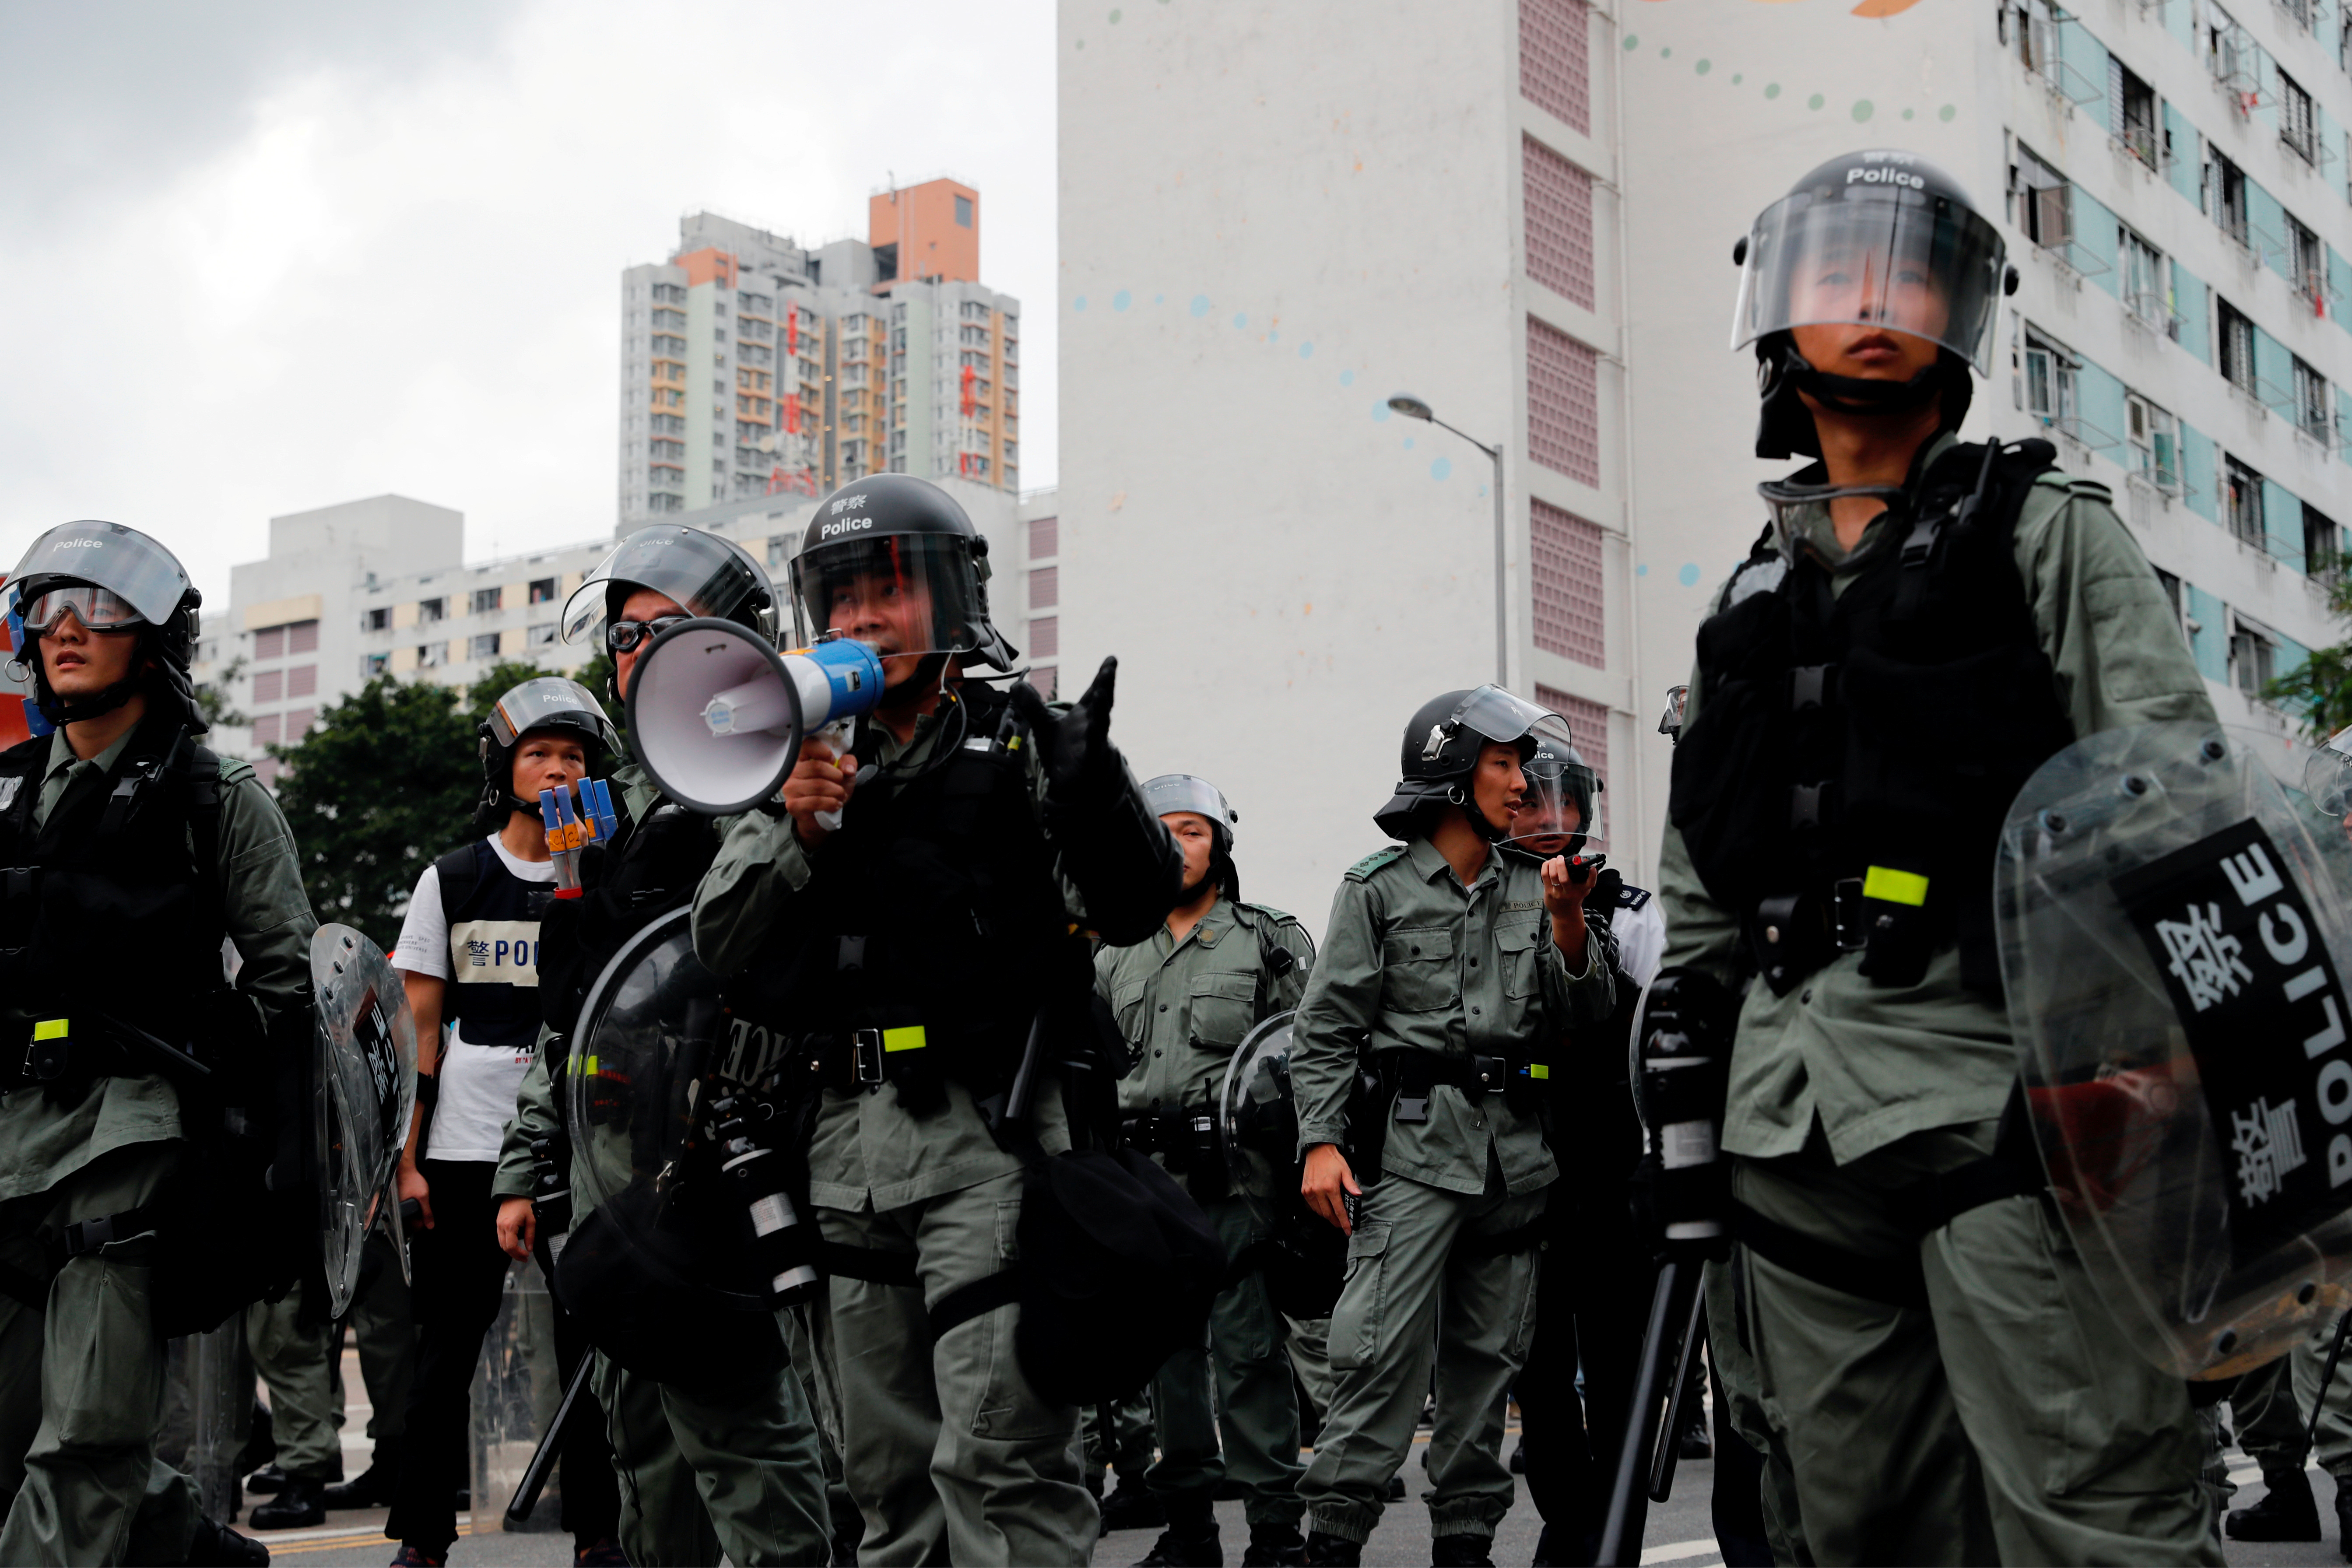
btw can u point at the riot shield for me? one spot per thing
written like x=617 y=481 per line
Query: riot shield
x=364 y=1097
x=658 y=1267
x=1257 y=1123
x=2174 y=935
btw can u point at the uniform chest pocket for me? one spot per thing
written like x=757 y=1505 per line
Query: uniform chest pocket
x=1127 y=1005
x=1224 y=1008
x=1417 y=974
x=1518 y=952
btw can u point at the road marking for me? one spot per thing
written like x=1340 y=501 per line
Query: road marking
x=333 y=1540
x=1678 y=1550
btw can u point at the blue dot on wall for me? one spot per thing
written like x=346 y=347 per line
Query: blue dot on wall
x=1442 y=468
x=1408 y=443
x=1159 y=298
x=1274 y=337
x=1642 y=570
x=1200 y=304
x=1239 y=320
x=1380 y=411
x=1307 y=350
x=1347 y=378
x=1121 y=300
x=1080 y=303
x=1688 y=575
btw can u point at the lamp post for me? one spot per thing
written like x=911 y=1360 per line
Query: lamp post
x=1412 y=407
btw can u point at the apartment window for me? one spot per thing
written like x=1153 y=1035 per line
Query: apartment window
x=2032 y=29
x=2253 y=660
x=1045 y=537
x=540 y=636
x=1045 y=587
x=2311 y=411
x=302 y=680
x=780 y=551
x=974 y=311
x=1045 y=637
x=302 y=636
x=269 y=643
x=269 y=686
x=482 y=645
x=373 y=664
x=2296 y=11
x=543 y=590
x=2344 y=36
x=668 y=424
x=2050 y=373
x=267 y=728
x=2131 y=114
x=2042 y=204
x=429 y=610
x=432 y=655
x=675 y=319
x=2323 y=546
x=2171 y=586
x=2298 y=126
x=2154 y=436
x=964 y=212
x=376 y=620
x=2235 y=339
x=486 y=599
x=2225 y=196
x=2229 y=52
x=2242 y=501
x=2310 y=259
x=2147 y=290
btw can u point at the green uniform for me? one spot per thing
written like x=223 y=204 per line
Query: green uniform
x=291 y=1357
x=1841 y=1092
x=1117 y=1438
x=384 y=1335
x=1414 y=960
x=82 y=1385
x=1184 y=1006
x=698 y=1475
x=2273 y=1409
x=951 y=1454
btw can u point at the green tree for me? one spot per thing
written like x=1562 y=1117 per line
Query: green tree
x=212 y=697
x=386 y=782
x=2322 y=688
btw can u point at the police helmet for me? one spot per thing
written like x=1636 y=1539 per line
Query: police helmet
x=112 y=578
x=1171 y=793
x=1442 y=743
x=910 y=535
x=544 y=702
x=707 y=575
x=1877 y=238
x=1560 y=812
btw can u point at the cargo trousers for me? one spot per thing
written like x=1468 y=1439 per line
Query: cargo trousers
x=1419 y=1282
x=2008 y=1420
x=292 y=1358
x=2272 y=1408
x=950 y=1453
x=1236 y=1382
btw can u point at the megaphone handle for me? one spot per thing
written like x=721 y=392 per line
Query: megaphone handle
x=836 y=735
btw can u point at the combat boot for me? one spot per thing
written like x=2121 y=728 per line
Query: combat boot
x=1461 y=1551
x=2288 y=1512
x=215 y=1545
x=374 y=1486
x=1191 y=1539
x=297 y=1506
x=1131 y=1506
x=2344 y=1519
x=1333 y=1551
x=1274 y=1546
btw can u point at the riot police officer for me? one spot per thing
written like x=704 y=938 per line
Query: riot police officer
x=702 y=1471
x=1453 y=968
x=928 y=948
x=1183 y=1001
x=123 y=833
x=1921 y=624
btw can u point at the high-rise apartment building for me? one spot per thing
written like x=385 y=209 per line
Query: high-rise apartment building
x=1528 y=220
x=753 y=367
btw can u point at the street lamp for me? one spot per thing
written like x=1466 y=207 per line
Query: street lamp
x=1412 y=407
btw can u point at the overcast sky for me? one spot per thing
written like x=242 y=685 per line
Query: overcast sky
x=263 y=257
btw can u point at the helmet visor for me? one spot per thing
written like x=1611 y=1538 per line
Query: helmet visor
x=1878 y=255
x=701 y=572
x=137 y=570
x=1496 y=714
x=1171 y=793
x=1560 y=812
x=551 y=701
x=901 y=593
x=98 y=609
x=2327 y=777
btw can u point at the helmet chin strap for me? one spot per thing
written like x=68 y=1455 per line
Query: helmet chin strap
x=1862 y=397
x=1456 y=796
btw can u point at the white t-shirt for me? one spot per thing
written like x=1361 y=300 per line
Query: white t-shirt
x=478 y=1082
x=1641 y=940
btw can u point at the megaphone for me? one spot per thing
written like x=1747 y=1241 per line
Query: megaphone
x=717 y=716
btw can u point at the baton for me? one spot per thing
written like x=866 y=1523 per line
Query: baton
x=543 y=1458
x=1670 y=1436
x=1670 y=1305
x=2327 y=1376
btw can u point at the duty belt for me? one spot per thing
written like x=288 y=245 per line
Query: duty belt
x=1414 y=1073
x=87 y=1044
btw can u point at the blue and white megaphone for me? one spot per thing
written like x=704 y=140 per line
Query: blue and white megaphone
x=717 y=716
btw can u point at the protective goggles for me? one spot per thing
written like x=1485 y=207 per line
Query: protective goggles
x=97 y=609
x=622 y=636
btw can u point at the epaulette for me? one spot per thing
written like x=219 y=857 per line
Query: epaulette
x=1362 y=870
x=1268 y=910
x=2075 y=484
x=234 y=770
x=1631 y=898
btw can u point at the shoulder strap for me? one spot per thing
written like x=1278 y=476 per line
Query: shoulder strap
x=1361 y=872
x=200 y=767
x=459 y=872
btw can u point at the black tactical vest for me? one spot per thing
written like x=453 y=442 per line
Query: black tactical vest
x=650 y=869
x=935 y=904
x=493 y=943
x=114 y=905
x=1853 y=755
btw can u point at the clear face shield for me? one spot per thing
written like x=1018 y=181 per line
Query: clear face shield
x=1560 y=812
x=2327 y=777
x=700 y=571
x=538 y=703
x=1873 y=253
x=899 y=594
x=139 y=573
x=1499 y=716
x=1181 y=792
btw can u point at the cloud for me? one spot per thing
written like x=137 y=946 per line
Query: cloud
x=287 y=258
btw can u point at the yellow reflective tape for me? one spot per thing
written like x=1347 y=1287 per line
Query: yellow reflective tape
x=588 y=1065
x=1537 y=1069
x=1892 y=887
x=906 y=1040
x=50 y=1030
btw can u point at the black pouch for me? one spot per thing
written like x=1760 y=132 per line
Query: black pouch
x=1118 y=1268
x=618 y=1277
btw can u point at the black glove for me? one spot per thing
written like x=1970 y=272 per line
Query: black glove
x=1684 y=1182
x=1075 y=748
